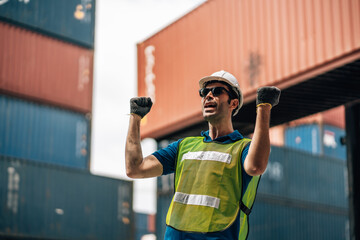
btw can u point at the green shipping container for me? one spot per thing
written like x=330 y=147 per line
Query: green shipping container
x=39 y=200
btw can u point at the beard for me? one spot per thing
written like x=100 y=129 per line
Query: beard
x=214 y=117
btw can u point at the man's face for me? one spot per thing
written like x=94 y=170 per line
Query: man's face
x=214 y=108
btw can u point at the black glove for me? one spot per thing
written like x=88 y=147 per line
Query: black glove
x=268 y=95
x=140 y=105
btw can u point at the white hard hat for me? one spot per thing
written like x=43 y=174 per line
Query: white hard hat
x=223 y=76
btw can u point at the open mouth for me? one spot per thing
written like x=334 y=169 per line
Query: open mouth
x=209 y=105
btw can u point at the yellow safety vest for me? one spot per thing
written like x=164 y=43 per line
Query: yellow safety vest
x=208 y=184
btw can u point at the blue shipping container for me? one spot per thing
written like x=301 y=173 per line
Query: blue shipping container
x=302 y=176
x=273 y=220
x=317 y=139
x=165 y=191
x=162 y=205
x=42 y=201
x=142 y=225
x=304 y=137
x=41 y=133
x=71 y=20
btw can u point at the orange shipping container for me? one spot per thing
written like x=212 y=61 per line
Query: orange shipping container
x=261 y=42
x=333 y=117
x=45 y=69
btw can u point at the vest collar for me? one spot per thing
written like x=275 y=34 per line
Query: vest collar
x=233 y=137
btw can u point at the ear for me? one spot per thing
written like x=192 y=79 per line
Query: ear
x=234 y=103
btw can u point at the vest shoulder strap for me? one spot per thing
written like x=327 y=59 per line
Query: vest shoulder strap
x=245 y=209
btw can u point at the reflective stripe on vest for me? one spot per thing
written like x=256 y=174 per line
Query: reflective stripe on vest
x=208 y=185
x=209 y=156
x=193 y=199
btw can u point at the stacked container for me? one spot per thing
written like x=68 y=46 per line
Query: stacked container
x=46 y=82
x=144 y=225
x=300 y=196
x=321 y=134
x=44 y=201
x=46 y=79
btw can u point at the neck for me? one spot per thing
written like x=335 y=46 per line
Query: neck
x=219 y=130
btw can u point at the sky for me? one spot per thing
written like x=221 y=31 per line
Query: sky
x=119 y=26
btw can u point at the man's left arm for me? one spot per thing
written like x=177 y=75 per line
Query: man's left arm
x=259 y=151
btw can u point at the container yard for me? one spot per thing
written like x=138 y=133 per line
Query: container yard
x=308 y=49
x=46 y=91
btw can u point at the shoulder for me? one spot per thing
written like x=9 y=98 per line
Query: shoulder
x=191 y=139
x=243 y=142
x=167 y=156
x=173 y=147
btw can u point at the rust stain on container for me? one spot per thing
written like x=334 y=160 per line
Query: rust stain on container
x=261 y=42
x=45 y=69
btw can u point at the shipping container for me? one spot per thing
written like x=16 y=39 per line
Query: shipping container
x=276 y=135
x=72 y=20
x=332 y=140
x=296 y=187
x=317 y=139
x=46 y=202
x=298 y=175
x=279 y=220
x=163 y=203
x=144 y=224
x=334 y=117
x=278 y=43
x=304 y=137
x=40 y=68
x=43 y=133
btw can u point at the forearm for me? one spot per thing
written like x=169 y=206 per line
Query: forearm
x=136 y=165
x=259 y=151
x=133 y=152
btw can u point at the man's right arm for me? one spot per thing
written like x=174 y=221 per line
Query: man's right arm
x=136 y=165
x=259 y=151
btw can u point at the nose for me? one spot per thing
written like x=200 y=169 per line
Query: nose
x=209 y=95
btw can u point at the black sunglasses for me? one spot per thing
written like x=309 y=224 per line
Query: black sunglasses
x=216 y=91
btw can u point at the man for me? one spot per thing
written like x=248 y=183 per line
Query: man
x=216 y=174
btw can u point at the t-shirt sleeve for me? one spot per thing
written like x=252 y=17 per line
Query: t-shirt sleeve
x=167 y=157
x=245 y=177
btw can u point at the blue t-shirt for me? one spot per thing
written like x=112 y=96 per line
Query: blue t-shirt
x=167 y=157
